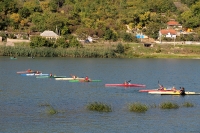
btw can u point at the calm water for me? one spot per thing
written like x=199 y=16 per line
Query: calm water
x=21 y=97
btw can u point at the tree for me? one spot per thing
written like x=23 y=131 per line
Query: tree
x=119 y=48
x=24 y=12
x=73 y=42
x=152 y=30
x=191 y=18
x=38 y=41
x=61 y=42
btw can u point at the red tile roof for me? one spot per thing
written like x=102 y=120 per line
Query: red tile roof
x=166 y=31
x=172 y=22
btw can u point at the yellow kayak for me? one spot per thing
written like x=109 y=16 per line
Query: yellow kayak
x=173 y=93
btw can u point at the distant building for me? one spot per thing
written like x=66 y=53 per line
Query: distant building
x=169 y=33
x=172 y=24
x=49 y=35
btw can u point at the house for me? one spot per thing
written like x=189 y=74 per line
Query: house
x=169 y=33
x=49 y=35
x=172 y=24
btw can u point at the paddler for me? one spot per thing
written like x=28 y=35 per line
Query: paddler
x=182 y=91
x=126 y=82
x=74 y=76
x=161 y=87
x=87 y=79
x=173 y=88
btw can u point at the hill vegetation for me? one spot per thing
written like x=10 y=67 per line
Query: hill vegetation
x=105 y=20
x=99 y=18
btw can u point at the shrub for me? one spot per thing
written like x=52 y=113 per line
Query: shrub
x=138 y=107
x=50 y=110
x=188 y=104
x=169 y=105
x=120 y=48
x=97 y=106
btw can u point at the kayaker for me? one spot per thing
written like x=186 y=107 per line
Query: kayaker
x=182 y=91
x=51 y=75
x=161 y=87
x=87 y=79
x=173 y=88
x=74 y=76
x=126 y=82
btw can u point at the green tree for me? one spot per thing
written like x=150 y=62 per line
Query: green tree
x=152 y=30
x=61 y=42
x=38 y=41
x=38 y=22
x=191 y=18
x=119 y=48
x=73 y=42
x=24 y=12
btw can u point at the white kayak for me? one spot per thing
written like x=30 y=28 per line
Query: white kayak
x=173 y=93
x=68 y=78
x=35 y=74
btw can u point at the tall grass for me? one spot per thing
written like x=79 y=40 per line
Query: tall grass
x=138 y=107
x=169 y=105
x=100 y=107
x=87 y=52
x=188 y=104
x=49 y=109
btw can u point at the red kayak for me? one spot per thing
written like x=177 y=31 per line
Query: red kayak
x=125 y=85
x=25 y=72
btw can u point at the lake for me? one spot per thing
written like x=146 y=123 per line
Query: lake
x=23 y=98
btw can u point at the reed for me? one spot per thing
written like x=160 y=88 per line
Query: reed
x=138 y=107
x=87 y=52
x=100 y=107
x=188 y=104
x=169 y=105
x=50 y=110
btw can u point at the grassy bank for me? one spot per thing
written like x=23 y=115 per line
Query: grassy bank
x=111 y=50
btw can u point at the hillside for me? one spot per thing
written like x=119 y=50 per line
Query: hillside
x=100 y=19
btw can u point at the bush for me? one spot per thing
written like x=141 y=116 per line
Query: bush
x=97 y=106
x=138 y=107
x=169 y=105
x=120 y=48
x=188 y=104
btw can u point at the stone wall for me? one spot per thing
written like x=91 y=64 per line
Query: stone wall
x=17 y=40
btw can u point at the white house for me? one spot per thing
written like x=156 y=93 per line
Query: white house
x=49 y=34
x=169 y=33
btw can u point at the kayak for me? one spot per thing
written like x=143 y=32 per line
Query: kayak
x=34 y=74
x=13 y=58
x=47 y=76
x=153 y=90
x=125 y=85
x=82 y=80
x=26 y=72
x=173 y=93
x=68 y=78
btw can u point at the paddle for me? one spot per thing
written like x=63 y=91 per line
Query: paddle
x=129 y=81
x=159 y=85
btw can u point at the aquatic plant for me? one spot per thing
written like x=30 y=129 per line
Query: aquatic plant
x=98 y=106
x=188 y=104
x=138 y=107
x=169 y=105
x=51 y=111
